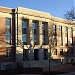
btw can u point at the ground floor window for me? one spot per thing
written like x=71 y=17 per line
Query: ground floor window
x=61 y=51
x=8 y=53
x=25 y=54
x=36 y=54
x=45 y=54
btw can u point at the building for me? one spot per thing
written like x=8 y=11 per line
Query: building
x=25 y=38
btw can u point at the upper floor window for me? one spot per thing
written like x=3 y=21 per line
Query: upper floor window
x=34 y=25
x=43 y=39
x=61 y=40
x=66 y=29
x=43 y=26
x=8 y=38
x=34 y=38
x=55 y=42
x=8 y=21
x=54 y=28
x=24 y=23
x=7 y=29
x=60 y=28
x=71 y=32
x=24 y=37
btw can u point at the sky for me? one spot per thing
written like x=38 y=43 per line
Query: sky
x=56 y=8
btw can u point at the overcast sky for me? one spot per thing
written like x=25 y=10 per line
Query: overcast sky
x=56 y=8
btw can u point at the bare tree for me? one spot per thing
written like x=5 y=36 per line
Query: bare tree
x=70 y=14
x=50 y=35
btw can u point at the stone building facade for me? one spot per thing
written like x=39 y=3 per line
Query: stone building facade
x=29 y=38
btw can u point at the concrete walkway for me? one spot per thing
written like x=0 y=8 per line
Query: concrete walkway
x=64 y=68
x=71 y=73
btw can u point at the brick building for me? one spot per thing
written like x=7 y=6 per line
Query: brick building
x=25 y=38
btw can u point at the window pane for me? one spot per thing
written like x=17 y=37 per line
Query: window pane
x=43 y=26
x=7 y=29
x=60 y=28
x=34 y=25
x=23 y=30
x=24 y=37
x=34 y=38
x=24 y=23
x=8 y=21
x=71 y=32
x=54 y=28
x=7 y=38
x=43 y=39
x=8 y=53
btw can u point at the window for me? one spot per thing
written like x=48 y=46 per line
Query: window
x=8 y=23
x=71 y=36
x=23 y=30
x=24 y=23
x=7 y=29
x=43 y=39
x=34 y=31
x=43 y=33
x=54 y=28
x=66 y=36
x=54 y=36
x=66 y=41
x=36 y=54
x=55 y=42
x=34 y=38
x=72 y=51
x=71 y=32
x=66 y=29
x=61 y=41
x=55 y=52
x=25 y=54
x=43 y=26
x=8 y=38
x=60 y=28
x=61 y=52
x=24 y=37
x=34 y=25
x=24 y=26
x=8 y=53
x=45 y=54
x=67 y=52
x=61 y=38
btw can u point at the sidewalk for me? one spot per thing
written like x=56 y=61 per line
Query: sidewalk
x=72 y=73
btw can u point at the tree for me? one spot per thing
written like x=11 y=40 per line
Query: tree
x=70 y=14
x=49 y=34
